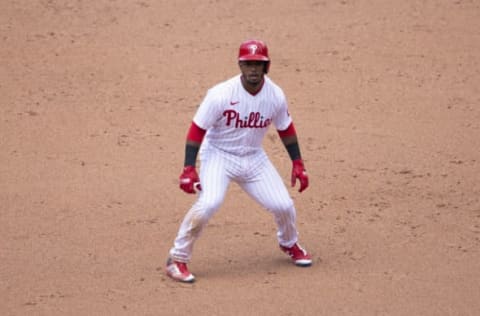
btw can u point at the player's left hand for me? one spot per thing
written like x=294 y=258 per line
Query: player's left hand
x=299 y=172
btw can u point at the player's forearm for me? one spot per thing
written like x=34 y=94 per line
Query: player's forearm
x=290 y=141
x=194 y=140
x=191 y=152
x=293 y=150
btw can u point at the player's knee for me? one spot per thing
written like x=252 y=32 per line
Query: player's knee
x=208 y=208
x=212 y=207
x=283 y=207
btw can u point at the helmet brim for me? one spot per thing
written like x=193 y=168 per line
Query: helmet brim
x=256 y=57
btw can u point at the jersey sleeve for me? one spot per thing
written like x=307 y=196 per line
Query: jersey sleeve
x=282 y=119
x=208 y=113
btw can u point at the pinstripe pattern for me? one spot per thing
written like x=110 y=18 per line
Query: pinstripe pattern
x=216 y=109
x=257 y=176
x=236 y=123
x=268 y=189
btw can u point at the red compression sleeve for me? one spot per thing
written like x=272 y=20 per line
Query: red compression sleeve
x=290 y=131
x=195 y=133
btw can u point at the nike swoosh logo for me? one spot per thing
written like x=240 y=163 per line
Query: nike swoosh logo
x=233 y=103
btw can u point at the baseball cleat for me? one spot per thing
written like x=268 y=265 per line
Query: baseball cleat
x=179 y=271
x=299 y=255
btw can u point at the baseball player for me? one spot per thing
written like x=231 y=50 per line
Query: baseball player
x=227 y=131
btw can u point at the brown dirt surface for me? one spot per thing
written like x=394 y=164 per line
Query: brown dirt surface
x=96 y=98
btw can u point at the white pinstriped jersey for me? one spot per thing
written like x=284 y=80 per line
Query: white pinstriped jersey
x=237 y=121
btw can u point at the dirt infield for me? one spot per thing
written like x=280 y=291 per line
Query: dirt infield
x=96 y=98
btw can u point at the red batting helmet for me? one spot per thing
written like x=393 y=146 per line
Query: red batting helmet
x=254 y=50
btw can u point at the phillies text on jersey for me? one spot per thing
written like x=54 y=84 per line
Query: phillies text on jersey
x=237 y=121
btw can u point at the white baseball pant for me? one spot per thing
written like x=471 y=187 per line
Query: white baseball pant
x=257 y=176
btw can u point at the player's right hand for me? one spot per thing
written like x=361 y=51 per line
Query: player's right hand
x=189 y=180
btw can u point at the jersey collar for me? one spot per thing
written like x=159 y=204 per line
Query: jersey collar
x=259 y=88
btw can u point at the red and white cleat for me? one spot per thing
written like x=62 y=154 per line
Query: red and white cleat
x=179 y=271
x=299 y=255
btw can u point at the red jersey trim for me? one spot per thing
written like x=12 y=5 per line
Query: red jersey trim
x=195 y=133
x=290 y=131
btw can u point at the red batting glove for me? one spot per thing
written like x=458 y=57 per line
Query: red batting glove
x=189 y=180
x=299 y=172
